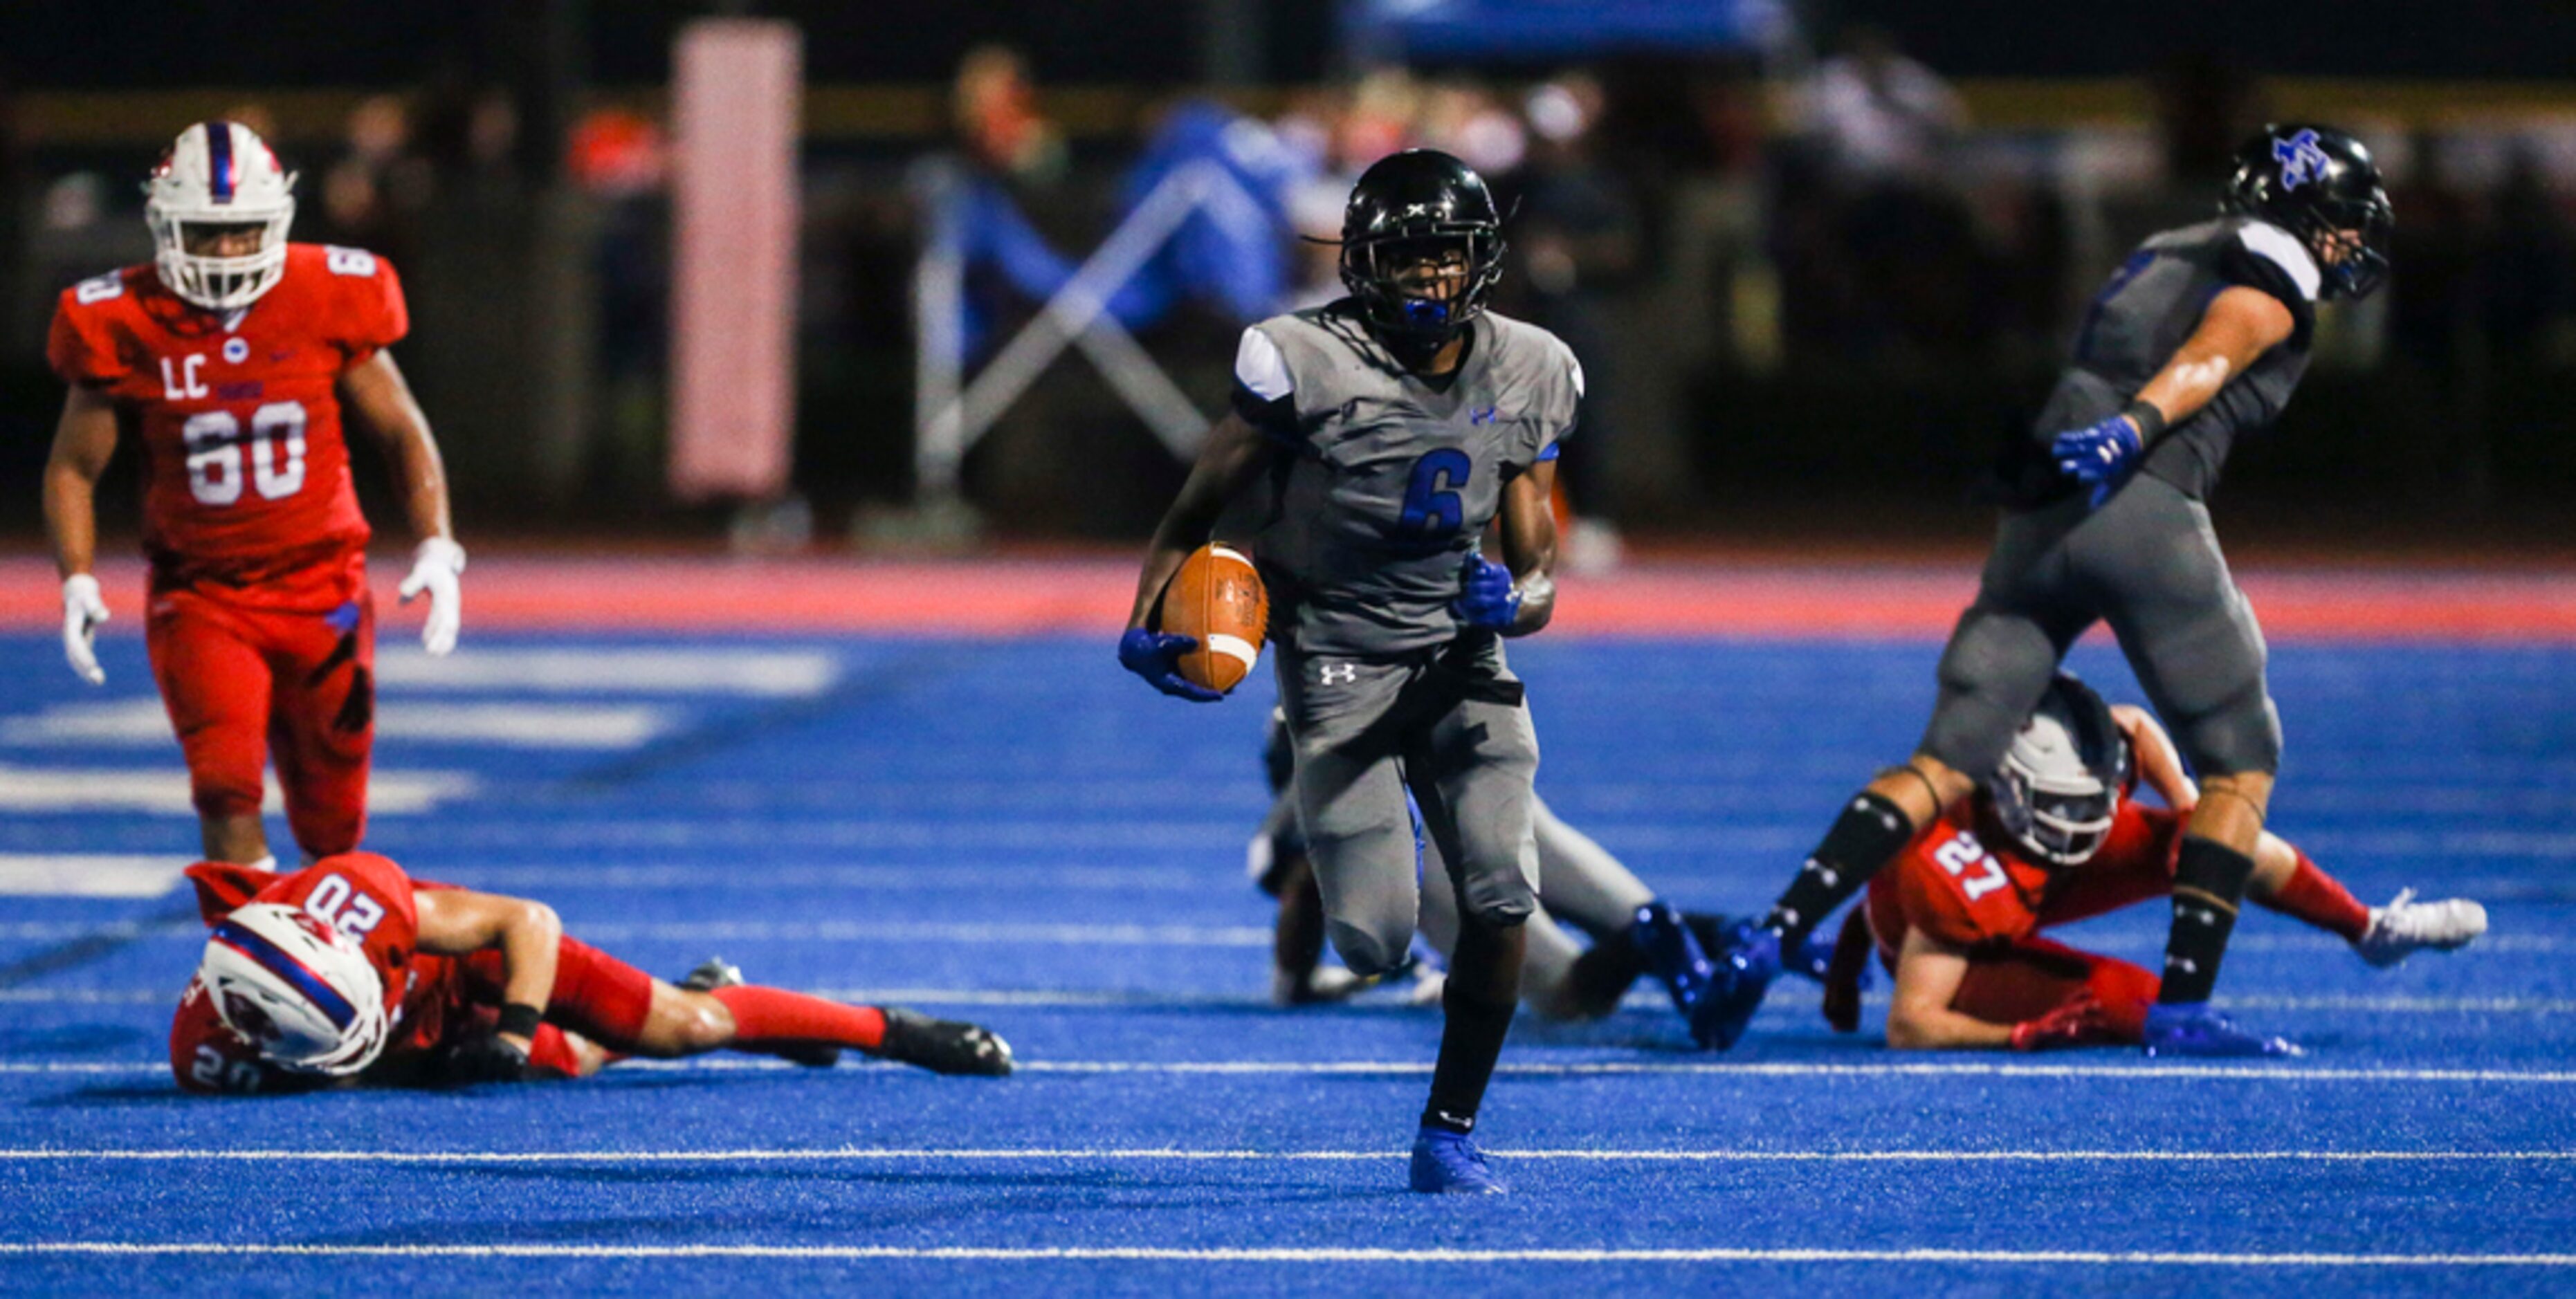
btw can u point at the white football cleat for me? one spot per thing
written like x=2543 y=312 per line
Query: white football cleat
x=2404 y=925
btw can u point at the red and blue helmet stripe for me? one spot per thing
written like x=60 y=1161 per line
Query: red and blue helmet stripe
x=221 y=167
x=282 y=963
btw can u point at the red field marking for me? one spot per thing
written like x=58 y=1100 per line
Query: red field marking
x=1088 y=595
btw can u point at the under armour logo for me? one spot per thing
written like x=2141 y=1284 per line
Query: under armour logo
x=1337 y=674
x=1481 y=415
x=2302 y=159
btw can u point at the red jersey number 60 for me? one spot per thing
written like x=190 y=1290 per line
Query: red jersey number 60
x=215 y=445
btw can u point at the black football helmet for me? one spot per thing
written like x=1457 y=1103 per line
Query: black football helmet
x=2061 y=782
x=1404 y=205
x=2319 y=184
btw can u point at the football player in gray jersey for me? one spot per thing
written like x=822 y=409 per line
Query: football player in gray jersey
x=2200 y=336
x=1382 y=433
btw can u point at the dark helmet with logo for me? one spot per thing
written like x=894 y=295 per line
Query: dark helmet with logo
x=2319 y=184
x=1407 y=204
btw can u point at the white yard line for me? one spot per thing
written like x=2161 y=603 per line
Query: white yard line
x=1169 y=1154
x=1601 y=1068
x=612 y=670
x=164 y=791
x=1290 y=1254
x=522 y=724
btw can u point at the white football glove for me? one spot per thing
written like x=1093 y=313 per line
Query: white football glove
x=434 y=568
x=83 y=611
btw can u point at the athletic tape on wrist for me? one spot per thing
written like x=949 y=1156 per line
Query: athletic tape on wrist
x=2150 y=421
x=519 y=1019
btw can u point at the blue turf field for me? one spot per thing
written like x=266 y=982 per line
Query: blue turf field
x=1017 y=832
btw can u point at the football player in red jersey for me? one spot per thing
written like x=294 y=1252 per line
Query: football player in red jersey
x=2055 y=838
x=351 y=971
x=230 y=357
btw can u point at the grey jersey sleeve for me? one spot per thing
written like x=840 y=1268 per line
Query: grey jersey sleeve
x=1565 y=405
x=1265 y=393
x=2266 y=258
x=1558 y=382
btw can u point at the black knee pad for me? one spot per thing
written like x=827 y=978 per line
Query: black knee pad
x=2241 y=735
x=1369 y=953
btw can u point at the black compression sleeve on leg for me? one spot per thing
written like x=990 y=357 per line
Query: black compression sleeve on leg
x=1470 y=1043
x=1864 y=838
x=2209 y=882
x=1478 y=1000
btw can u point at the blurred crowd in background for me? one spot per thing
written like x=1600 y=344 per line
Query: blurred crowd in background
x=1792 y=280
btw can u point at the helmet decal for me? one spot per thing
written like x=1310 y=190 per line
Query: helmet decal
x=2301 y=159
x=276 y=960
x=221 y=176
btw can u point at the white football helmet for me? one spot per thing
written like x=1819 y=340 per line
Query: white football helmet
x=296 y=987
x=2059 y=789
x=223 y=174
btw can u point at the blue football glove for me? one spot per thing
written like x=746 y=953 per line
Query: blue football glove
x=2101 y=455
x=1155 y=656
x=1486 y=596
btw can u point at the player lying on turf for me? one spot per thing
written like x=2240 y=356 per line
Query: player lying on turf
x=1579 y=884
x=351 y=971
x=2054 y=838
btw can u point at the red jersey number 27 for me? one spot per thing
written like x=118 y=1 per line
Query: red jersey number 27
x=217 y=453
x=1963 y=852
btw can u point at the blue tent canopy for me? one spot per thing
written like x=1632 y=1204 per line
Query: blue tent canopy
x=1558 y=29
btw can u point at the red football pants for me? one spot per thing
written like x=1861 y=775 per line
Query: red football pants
x=2030 y=977
x=244 y=683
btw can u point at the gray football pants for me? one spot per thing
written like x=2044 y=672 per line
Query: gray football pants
x=1579 y=882
x=2148 y=563
x=1450 y=727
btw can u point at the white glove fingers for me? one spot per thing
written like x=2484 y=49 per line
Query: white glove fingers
x=83 y=610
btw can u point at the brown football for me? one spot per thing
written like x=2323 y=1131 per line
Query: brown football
x=1218 y=597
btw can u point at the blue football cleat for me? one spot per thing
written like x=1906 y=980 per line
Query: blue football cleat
x=2193 y=1029
x=1673 y=955
x=1448 y=1163
x=1746 y=965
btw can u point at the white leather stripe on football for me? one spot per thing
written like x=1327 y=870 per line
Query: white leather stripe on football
x=1234 y=647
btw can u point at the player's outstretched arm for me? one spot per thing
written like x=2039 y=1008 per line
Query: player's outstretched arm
x=1928 y=975
x=84 y=441
x=376 y=390
x=460 y=922
x=2159 y=765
